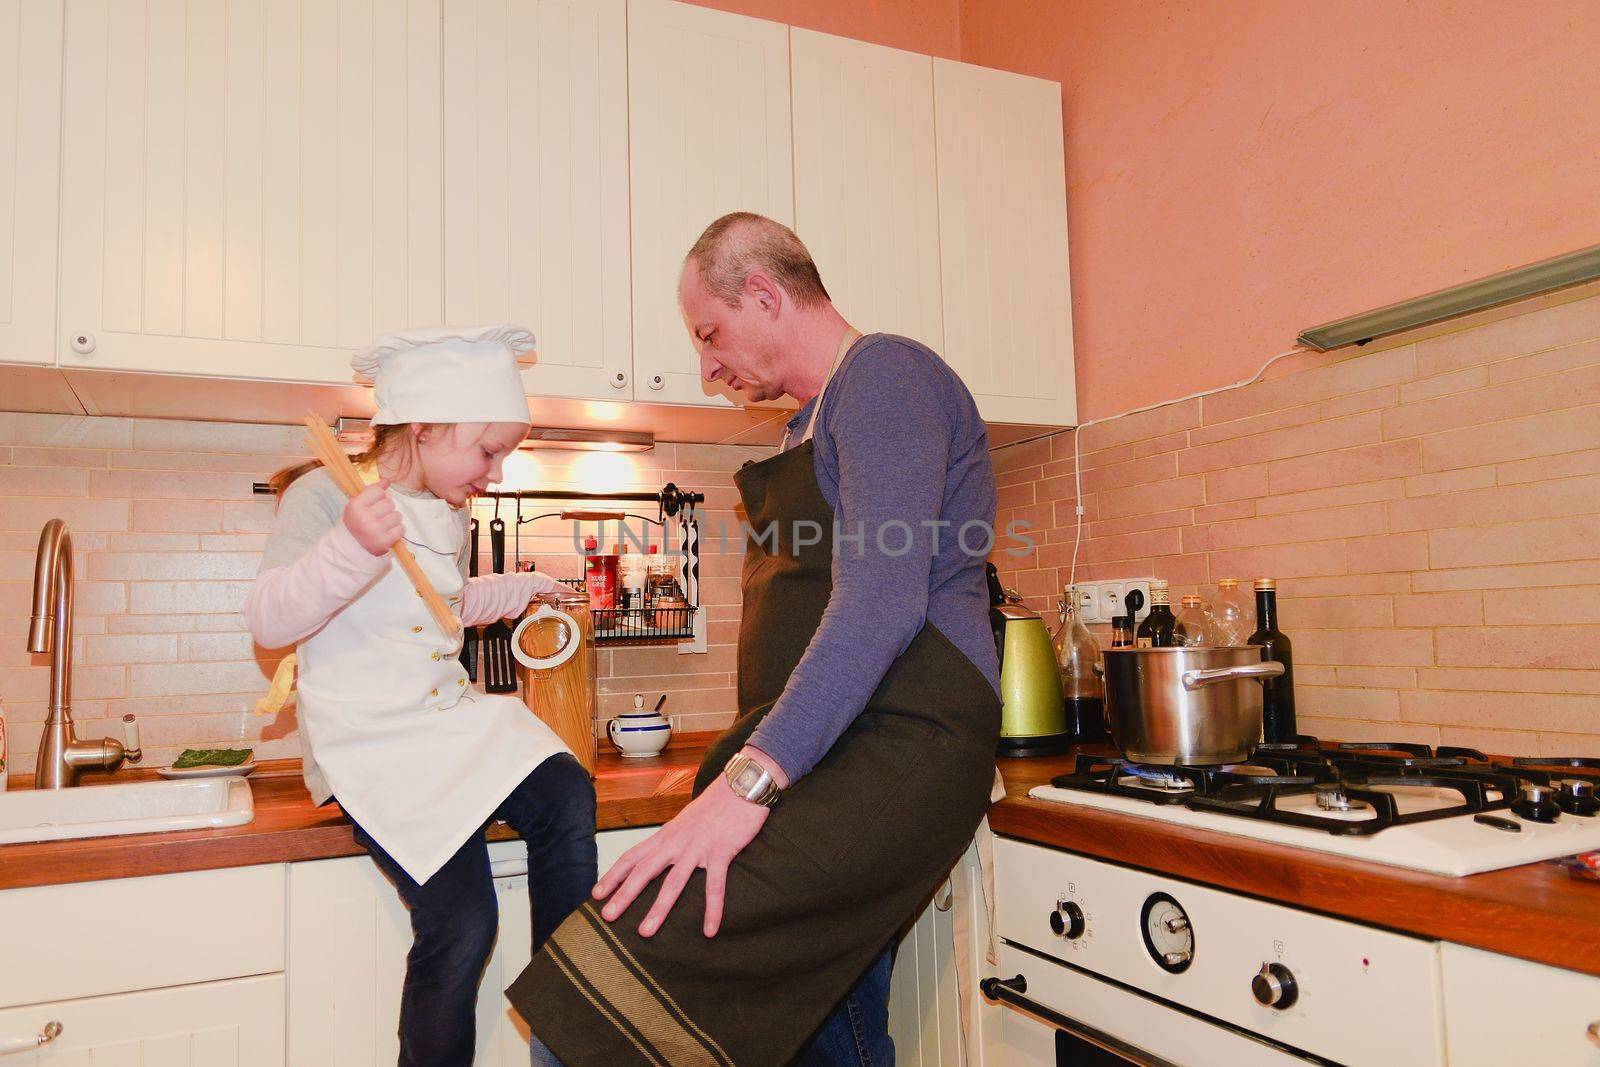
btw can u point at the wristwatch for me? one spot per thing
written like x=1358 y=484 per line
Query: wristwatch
x=750 y=781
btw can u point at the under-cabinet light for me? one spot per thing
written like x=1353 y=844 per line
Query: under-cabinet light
x=1557 y=273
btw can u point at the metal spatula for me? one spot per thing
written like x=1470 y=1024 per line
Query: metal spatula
x=499 y=668
x=469 y=640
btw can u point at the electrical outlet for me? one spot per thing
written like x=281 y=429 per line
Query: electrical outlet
x=1088 y=605
x=1109 y=595
x=1143 y=585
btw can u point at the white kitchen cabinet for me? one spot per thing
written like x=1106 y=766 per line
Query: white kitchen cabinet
x=92 y=939
x=865 y=184
x=30 y=129
x=250 y=188
x=348 y=939
x=1003 y=242
x=708 y=133
x=220 y=1024
x=924 y=1000
x=1500 y=1010
x=536 y=184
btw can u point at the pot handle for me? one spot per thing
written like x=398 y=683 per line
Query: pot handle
x=1259 y=671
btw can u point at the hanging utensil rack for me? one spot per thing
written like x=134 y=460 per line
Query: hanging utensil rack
x=642 y=625
x=645 y=624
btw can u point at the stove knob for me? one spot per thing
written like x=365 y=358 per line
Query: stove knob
x=1274 y=987
x=1067 y=920
x=1176 y=923
x=1577 y=797
x=1172 y=959
x=1536 y=803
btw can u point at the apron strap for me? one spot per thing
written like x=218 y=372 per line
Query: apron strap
x=851 y=336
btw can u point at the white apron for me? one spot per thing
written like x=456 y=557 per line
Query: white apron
x=412 y=751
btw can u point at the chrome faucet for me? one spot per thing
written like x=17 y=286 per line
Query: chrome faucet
x=62 y=756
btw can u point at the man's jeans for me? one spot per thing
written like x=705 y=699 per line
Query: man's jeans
x=855 y=1035
x=454 y=916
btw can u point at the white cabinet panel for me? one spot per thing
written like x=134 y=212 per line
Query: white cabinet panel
x=221 y=1024
x=250 y=187
x=1003 y=242
x=348 y=939
x=1500 y=1010
x=30 y=157
x=65 y=941
x=709 y=133
x=865 y=185
x=536 y=183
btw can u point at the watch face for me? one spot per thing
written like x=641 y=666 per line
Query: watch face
x=746 y=777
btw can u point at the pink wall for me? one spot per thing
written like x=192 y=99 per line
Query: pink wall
x=928 y=26
x=1239 y=170
x=1432 y=513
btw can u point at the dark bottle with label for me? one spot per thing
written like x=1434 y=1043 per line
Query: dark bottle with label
x=1277 y=695
x=1156 y=631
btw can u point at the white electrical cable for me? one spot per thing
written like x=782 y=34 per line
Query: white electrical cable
x=1077 y=435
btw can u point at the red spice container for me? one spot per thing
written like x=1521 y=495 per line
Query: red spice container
x=599 y=576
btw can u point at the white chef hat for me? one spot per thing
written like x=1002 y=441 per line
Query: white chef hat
x=447 y=374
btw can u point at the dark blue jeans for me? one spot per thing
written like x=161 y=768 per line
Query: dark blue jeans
x=454 y=915
x=857 y=1033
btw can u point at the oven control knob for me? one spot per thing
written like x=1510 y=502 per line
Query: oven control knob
x=1577 y=797
x=1536 y=803
x=1274 y=987
x=1067 y=920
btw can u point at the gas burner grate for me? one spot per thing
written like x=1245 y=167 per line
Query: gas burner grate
x=1100 y=774
x=1258 y=802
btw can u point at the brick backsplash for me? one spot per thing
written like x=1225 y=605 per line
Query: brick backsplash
x=167 y=534
x=1432 y=512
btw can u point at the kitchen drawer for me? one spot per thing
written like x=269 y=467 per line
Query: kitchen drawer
x=218 y=1024
x=93 y=938
x=1500 y=1010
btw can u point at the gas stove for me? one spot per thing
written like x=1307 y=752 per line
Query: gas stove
x=1449 y=811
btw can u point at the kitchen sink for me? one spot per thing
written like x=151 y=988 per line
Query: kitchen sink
x=131 y=808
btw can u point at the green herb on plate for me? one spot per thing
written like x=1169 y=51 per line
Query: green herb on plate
x=211 y=757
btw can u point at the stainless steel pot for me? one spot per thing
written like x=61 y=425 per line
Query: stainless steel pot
x=1199 y=706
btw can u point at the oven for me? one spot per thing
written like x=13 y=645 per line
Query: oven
x=1105 y=964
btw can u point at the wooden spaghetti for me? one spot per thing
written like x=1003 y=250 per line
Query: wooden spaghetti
x=327 y=451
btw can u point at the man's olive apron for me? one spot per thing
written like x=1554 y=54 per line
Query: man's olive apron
x=848 y=855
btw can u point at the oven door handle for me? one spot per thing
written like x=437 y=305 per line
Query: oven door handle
x=1010 y=991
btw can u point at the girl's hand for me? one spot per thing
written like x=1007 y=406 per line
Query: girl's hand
x=373 y=520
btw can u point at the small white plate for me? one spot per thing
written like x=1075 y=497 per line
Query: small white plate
x=207 y=772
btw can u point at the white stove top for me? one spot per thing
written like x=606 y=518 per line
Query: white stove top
x=1452 y=846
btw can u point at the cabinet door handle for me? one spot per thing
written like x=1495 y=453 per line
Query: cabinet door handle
x=51 y=1031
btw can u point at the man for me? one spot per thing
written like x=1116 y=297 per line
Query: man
x=863 y=755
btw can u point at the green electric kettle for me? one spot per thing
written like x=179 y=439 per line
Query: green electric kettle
x=1033 y=713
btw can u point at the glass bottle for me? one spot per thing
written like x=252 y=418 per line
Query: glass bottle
x=1122 y=632
x=632 y=567
x=1231 y=617
x=1277 y=699
x=1156 y=631
x=1193 y=628
x=1077 y=655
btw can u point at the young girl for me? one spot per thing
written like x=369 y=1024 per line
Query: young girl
x=419 y=759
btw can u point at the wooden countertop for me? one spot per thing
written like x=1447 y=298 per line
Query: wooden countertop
x=288 y=828
x=1536 y=911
